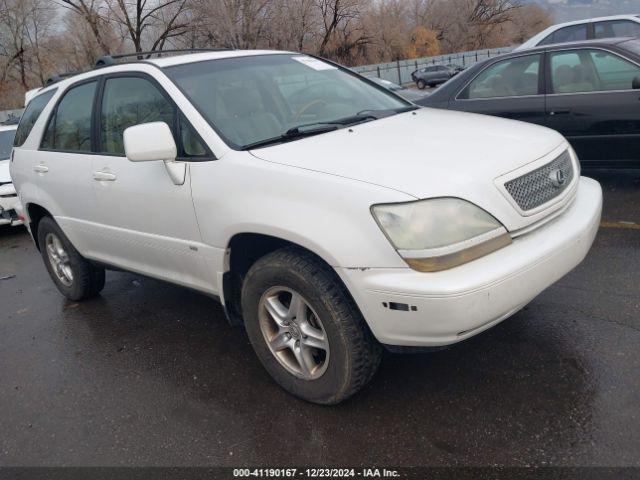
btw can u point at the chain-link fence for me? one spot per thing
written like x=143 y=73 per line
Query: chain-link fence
x=400 y=71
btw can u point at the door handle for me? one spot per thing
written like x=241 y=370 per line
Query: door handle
x=41 y=168
x=104 y=176
x=560 y=112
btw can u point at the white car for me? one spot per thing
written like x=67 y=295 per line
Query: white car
x=8 y=196
x=589 y=29
x=330 y=216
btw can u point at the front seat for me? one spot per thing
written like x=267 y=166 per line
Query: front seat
x=247 y=120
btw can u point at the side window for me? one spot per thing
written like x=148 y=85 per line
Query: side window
x=30 y=116
x=190 y=142
x=581 y=71
x=514 y=77
x=613 y=72
x=548 y=40
x=69 y=127
x=129 y=101
x=573 y=33
x=617 y=28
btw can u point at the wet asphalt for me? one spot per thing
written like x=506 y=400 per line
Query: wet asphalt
x=151 y=374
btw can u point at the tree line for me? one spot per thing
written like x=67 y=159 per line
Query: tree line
x=41 y=37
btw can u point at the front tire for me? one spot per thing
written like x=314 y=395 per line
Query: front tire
x=73 y=275
x=305 y=328
x=421 y=84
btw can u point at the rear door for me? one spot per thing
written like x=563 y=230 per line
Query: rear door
x=592 y=102
x=147 y=222
x=510 y=88
x=63 y=162
x=25 y=158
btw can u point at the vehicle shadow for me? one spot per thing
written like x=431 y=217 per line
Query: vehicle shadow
x=520 y=383
x=621 y=189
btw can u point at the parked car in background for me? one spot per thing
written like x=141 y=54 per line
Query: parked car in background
x=290 y=188
x=588 y=91
x=590 y=29
x=455 y=67
x=433 y=75
x=8 y=197
x=406 y=93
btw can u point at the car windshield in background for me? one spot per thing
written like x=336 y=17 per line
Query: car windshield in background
x=6 y=143
x=264 y=98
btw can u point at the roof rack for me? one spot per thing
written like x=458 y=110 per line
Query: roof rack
x=108 y=60
x=58 y=77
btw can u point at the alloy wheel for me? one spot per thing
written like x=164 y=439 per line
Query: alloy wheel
x=59 y=259
x=294 y=333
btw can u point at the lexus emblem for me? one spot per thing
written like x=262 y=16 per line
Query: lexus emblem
x=558 y=178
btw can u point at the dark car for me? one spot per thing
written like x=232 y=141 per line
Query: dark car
x=406 y=93
x=433 y=75
x=455 y=67
x=589 y=91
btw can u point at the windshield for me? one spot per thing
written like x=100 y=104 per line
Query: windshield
x=6 y=143
x=252 y=99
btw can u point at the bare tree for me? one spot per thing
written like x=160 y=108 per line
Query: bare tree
x=23 y=24
x=150 y=23
x=93 y=12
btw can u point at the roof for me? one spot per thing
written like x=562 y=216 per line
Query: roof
x=160 y=62
x=217 y=55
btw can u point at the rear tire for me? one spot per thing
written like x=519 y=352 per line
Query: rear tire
x=342 y=355
x=73 y=275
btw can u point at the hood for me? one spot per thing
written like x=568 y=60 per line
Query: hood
x=424 y=153
x=427 y=153
x=4 y=171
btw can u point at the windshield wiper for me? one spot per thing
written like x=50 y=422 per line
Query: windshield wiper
x=294 y=133
x=317 y=128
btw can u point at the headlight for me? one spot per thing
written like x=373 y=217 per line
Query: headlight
x=440 y=233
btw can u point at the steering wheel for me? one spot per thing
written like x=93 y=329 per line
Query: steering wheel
x=304 y=109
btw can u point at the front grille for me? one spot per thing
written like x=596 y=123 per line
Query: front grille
x=542 y=185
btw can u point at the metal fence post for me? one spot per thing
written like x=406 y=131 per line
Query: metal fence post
x=378 y=68
x=399 y=74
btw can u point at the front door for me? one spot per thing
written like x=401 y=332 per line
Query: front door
x=592 y=102
x=148 y=222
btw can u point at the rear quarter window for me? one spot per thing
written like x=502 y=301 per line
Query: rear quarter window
x=30 y=117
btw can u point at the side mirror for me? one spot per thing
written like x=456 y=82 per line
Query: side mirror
x=636 y=83
x=150 y=141
x=154 y=141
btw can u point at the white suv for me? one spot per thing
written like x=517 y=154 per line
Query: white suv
x=330 y=216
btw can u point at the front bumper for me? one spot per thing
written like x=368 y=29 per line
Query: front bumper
x=8 y=203
x=409 y=308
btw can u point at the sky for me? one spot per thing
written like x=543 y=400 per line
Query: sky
x=566 y=10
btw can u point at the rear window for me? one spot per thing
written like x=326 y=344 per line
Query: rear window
x=632 y=45
x=30 y=117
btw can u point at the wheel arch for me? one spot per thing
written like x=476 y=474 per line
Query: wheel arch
x=36 y=213
x=243 y=250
